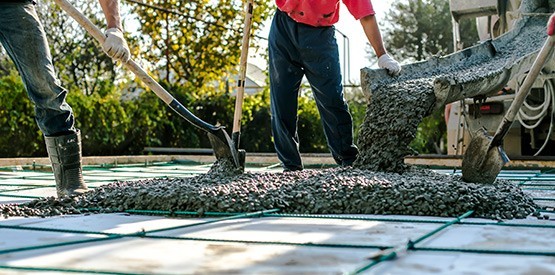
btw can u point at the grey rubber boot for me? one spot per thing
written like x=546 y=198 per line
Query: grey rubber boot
x=65 y=156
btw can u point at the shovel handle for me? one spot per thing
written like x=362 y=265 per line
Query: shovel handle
x=242 y=72
x=100 y=37
x=137 y=70
x=524 y=90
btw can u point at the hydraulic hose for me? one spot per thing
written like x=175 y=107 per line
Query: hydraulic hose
x=532 y=121
x=536 y=113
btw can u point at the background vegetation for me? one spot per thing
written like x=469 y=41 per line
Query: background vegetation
x=193 y=47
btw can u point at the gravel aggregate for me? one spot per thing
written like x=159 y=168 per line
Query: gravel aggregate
x=391 y=122
x=329 y=191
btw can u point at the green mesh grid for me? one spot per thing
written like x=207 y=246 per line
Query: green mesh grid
x=529 y=180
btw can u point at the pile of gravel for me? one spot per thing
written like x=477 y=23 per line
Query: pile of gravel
x=329 y=191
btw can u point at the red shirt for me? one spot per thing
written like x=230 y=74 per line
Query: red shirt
x=319 y=13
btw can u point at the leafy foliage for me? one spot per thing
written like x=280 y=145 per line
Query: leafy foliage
x=112 y=126
x=20 y=133
x=195 y=43
x=357 y=106
x=431 y=134
x=256 y=133
x=311 y=133
x=419 y=29
x=192 y=46
x=79 y=59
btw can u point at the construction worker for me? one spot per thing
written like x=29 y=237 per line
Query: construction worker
x=24 y=39
x=302 y=43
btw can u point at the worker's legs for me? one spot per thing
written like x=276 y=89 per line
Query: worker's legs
x=285 y=80
x=23 y=37
x=320 y=57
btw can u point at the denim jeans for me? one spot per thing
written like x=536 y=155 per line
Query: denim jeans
x=298 y=50
x=23 y=37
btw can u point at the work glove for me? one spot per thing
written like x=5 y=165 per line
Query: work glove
x=115 y=45
x=391 y=65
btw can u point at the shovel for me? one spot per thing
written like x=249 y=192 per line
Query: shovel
x=236 y=133
x=484 y=158
x=219 y=139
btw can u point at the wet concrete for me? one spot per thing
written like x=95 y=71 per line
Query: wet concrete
x=391 y=122
x=225 y=167
x=397 y=105
x=329 y=191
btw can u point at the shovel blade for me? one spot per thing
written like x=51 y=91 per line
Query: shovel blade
x=224 y=148
x=482 y=162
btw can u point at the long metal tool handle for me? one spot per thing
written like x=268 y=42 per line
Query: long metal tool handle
x=137 y=70
x=242 y=73
x=524 y=90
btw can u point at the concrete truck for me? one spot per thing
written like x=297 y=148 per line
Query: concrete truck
x=533 y=134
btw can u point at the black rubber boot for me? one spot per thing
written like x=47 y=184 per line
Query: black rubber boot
x=65 y=156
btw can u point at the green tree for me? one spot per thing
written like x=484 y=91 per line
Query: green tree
x=195 y=43
x=6 y=65
x=417 y=29
x=16 y=124
x=79 y=60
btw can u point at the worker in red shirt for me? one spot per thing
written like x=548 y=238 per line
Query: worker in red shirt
x=302 y=43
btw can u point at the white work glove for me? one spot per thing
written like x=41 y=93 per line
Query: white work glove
x=391 y=65
x=115 y=45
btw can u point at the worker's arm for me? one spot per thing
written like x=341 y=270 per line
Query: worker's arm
x=114 y=45
x=372 y=31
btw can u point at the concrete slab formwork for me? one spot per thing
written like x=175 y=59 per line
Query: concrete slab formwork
x=269 y=241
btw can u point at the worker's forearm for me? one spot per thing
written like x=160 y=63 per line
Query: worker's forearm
x=372 y=31
x=111 y=12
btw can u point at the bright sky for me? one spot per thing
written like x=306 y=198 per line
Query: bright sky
x=353 y=30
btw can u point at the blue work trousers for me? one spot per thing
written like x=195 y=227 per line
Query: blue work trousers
x=23 y=37
x=298 y=50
